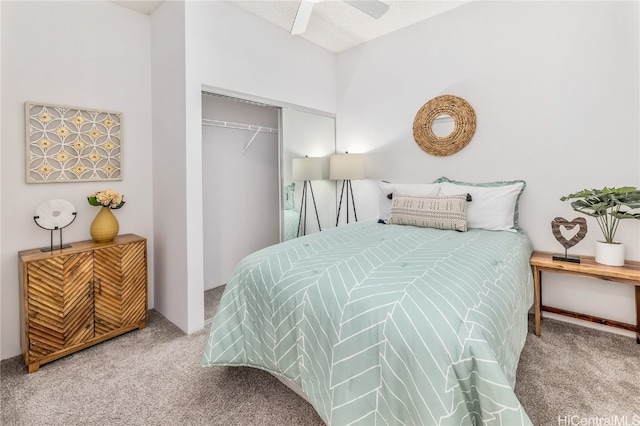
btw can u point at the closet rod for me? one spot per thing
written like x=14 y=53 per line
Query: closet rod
x=238 y=126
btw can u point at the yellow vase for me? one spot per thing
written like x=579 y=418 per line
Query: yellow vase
x=105 y=226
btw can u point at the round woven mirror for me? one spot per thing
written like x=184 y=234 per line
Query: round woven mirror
x=442 y=108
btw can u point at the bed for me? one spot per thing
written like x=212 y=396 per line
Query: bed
x=378 y=323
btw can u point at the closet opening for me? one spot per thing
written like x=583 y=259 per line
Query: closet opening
x=250 y=198
x=241 y=181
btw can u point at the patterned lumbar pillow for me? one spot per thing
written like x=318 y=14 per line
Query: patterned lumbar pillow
x=388 y=189
x=444 y=212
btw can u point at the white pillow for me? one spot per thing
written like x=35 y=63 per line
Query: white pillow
x=410 y=189
x=491 y=207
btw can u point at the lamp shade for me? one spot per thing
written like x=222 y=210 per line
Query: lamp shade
x=309 y=168
x=346 y=167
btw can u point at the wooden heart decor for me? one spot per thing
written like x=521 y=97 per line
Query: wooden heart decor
x=561 y=222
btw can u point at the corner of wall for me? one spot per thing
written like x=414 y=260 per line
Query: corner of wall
x=171 y=263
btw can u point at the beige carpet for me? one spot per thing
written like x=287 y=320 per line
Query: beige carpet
x=574 y=375
x=153 y=376
x=211 y=300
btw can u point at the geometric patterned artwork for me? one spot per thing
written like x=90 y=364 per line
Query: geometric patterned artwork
x=67 y=144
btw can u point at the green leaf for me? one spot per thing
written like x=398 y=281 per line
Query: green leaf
x=626 y=215
x=607 y=205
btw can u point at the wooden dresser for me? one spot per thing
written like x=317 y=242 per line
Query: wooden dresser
x=79 y=296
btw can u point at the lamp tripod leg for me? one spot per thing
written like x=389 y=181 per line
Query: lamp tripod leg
x=313 y=197
x=302 y=204
x=353 y=201
x=340 y=204
x=348 y=184
x=306 y=201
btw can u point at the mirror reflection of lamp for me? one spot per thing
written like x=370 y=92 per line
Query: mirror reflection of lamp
x=346 y=167
x=307 y=169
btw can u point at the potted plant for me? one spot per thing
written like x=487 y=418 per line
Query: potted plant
x=608 y=206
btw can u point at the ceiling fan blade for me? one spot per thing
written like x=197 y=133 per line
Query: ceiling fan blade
x=373 y=8
x=302 y=17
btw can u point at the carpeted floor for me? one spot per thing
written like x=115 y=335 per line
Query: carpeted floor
x=153 y=376
x=573 y=375
x=211 y=300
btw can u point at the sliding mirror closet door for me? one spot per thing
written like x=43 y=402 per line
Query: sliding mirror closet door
x=241 y=180
x=250 y=198
x=307 y=134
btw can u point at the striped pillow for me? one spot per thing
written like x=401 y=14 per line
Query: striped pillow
x=448 y=212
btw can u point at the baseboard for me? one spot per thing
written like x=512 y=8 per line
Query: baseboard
x=587 y=324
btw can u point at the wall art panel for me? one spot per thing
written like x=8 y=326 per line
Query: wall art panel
x=70 y=144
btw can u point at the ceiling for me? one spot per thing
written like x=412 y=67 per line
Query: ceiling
x=334 y=25
x=143 y=6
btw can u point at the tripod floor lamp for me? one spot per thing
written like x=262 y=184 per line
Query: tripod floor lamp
x=307 y=169
x=346 y=167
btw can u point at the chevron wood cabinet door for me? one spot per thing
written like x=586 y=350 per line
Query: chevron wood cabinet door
x=80 y=296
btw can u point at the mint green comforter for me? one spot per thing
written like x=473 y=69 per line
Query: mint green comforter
x=385 y=324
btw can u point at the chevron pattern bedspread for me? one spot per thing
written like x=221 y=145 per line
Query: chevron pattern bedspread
x=385 y=324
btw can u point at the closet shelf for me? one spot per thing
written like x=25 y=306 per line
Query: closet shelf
x=238 y=126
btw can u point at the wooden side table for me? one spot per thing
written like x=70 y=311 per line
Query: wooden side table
x=629 y=273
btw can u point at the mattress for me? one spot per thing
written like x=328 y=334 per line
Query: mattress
x=385 y=324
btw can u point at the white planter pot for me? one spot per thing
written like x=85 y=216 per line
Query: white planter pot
x=611 y=254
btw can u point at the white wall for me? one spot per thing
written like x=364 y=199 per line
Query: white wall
x=232 y=49
x=555 y=89
x=198 y=45
x=170 y=162
x=84 y=54
x=554 y=85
